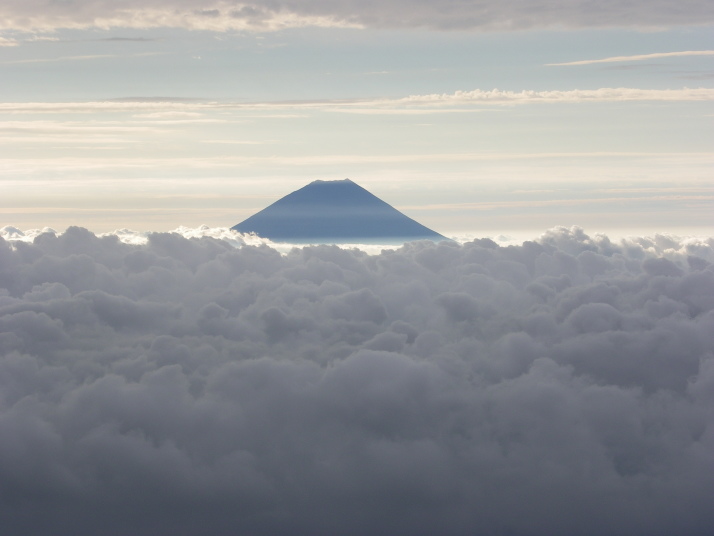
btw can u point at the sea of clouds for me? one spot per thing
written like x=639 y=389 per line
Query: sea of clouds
x=205 y=382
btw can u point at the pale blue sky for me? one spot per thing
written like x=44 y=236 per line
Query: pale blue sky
x=111 y=121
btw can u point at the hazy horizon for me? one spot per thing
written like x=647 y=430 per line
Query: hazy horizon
x=514 y=219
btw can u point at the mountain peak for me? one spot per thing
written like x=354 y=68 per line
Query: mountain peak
x=337 y=211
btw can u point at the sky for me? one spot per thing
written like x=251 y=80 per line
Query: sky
x=472 y=117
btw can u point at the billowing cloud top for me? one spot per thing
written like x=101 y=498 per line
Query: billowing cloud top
x=271 y=15
x=184 y=386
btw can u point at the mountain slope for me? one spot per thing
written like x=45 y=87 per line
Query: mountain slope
x=334 y=212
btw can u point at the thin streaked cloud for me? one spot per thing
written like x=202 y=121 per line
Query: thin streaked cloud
x=86 y=57
x=128 y=39
x=407 y=111
x=497 y=96
x=76 y=163
x=88 y=128
x=411 y=104
x=77 y=141
x=532 y=203
x=236 y=142
x=639 y=57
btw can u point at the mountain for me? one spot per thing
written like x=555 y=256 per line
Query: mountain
x=334 y=212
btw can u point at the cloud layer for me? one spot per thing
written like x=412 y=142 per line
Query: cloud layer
x=639 y=57
x=187 y=385
x=419 y=103
x=219 y=15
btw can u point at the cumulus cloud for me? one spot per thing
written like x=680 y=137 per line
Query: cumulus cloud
x=184 y=385
x=261 y=15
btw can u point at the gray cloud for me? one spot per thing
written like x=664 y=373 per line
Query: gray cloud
x=485 y=15
x=189 y=386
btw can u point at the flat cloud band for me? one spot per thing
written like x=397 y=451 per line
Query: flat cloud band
x=480 y=15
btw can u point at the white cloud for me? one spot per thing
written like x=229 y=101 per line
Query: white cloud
x=171 y=115
x=412 y=104
x=143 y=106
x=90 y=127
x=639 y=57
x=23 y=165
x=261 y=15
x=406 y=111
x=235 y=142
x=87 y=57
x=497 y=96
x=447 y=389
x=7 y=42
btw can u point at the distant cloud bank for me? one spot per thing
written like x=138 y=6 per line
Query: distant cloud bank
x=263 y=15
x=161 y=384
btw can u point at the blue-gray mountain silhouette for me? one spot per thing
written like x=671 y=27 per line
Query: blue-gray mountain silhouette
x=334 y=212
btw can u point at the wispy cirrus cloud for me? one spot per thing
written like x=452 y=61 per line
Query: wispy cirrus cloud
x=8 y=42
x=128 y=39
x=531 y=203
x=638 y=57
x=86 y=57
x=497 y=96
x=425 y=103
x=15 y=166
x=74 y=127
